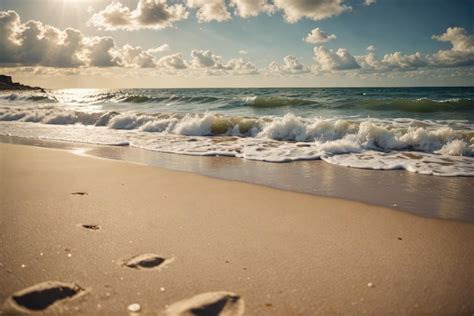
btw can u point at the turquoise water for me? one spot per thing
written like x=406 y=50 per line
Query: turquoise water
x=456 y=103
x=424 y=130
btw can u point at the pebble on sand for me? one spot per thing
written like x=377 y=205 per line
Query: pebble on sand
x=133 y=308
x=370 y=284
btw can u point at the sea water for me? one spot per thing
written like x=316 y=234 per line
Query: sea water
x=421 y=130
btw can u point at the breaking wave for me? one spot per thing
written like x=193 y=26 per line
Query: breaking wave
x=424 y=130
x=427 y=147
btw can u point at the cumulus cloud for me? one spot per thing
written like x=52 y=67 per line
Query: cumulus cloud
x=461 y=53
x=249 y=8
x=137 y=57
x=171 y=63
x=390 y=61
x=239 y=66
x=205 y=59
x=403 y=61
x=210 y=10
x=318 y=36
x=160 y=49
x=35 y=44
x=243 y=52
x=213 y=64
x=149 y=14
x=317 y=10
x=102 y=52
x=369 y=2
x=291 y=65
x=327 y=60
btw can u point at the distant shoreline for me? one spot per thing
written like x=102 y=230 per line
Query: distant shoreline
x=6 y=84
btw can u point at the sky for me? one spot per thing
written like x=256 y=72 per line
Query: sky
x=237 y=43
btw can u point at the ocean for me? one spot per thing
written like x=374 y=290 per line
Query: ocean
x=421 y=130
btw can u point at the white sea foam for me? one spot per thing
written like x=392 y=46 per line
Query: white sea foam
x=195 y=125
x=445 y=149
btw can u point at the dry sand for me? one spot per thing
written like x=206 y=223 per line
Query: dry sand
x=229 y=246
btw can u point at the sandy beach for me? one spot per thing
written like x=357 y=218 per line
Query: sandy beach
x=83 y=221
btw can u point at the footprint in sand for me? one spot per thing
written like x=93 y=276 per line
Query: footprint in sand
x=40 y=296
x=209 y=304
x=80 y=193
x=146 y=262
x=90 y=226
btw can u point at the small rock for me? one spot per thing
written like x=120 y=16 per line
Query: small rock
x=370 y=284
x=162 y=289
x=134 y=308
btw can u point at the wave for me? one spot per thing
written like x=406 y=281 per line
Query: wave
x=231 y=100
x=422 y=105
x=268 y=102
x=408 y=134
x=44 y=98
x=417 y=146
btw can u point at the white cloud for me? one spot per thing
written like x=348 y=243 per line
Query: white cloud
x=149 y=14
x=238 y=66
x=160 y=49
x=291 y=65
x=137 y=57
x=210 y=10
x=461 y=53
x=318 y=36
x=243 y=52
x=213 y=64
x=294 y=10
x=171 y=63
x=401 y=61
x=249 y=8
x=205 y=59
x=327 y=60
x=369 y=2
x=33 y=43
x=390 y=61
x=370 y=62
x=102 y=52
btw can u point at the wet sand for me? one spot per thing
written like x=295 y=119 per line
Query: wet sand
x=110 y=234
x=396 y=189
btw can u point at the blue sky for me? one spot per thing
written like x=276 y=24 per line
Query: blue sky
x=404 y=26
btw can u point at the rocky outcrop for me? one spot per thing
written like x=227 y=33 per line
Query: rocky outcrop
x=6 y=83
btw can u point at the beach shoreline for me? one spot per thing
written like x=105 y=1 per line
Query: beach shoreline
x=396 y=189
x=282 y=253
